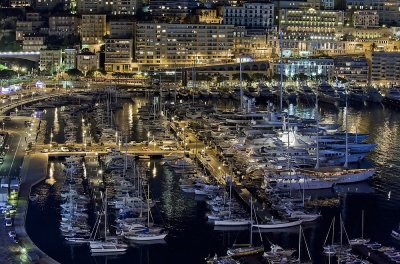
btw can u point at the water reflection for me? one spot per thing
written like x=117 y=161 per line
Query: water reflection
x=51 y=180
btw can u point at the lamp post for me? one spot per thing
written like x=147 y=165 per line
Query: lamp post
x=148 y=138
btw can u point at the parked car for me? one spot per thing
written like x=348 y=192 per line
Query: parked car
x=12 y=234
x=7 y=146
x=64 y=149
x=45 y=150
x=9 y=223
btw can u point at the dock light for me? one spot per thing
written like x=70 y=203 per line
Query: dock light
x=100 y=172
x=23 y=250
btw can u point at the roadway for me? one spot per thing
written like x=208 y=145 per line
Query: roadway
x=14 y=156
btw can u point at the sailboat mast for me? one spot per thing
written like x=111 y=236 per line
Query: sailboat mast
x=317 y=117
x=230 y=196
x=347 y=137
x=251 y=221
x=300 y=244
x=362 y=224
x=281 y=70
x=148 y=204
x=241 y=87
x=105 y=215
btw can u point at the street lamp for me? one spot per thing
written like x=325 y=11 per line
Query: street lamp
x=148 y=138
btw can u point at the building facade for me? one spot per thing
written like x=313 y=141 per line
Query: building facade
x=366 y=19
x=388 y=10
x=309 y=67
x=175 y=45
x=118 y=55
x=33 y=42
x=69 y=59
x=121 y=29
x=93 y=29
x=254 y=15
x=63 y=26
x=304 y=24
x=354 y=69
x=124 y=7
x=50 y=61
x=171 y=8
x=87 y=61
x=385 y=67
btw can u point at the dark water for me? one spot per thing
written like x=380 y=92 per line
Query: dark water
x=191 y=239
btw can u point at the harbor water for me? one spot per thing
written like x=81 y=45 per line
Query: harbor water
x=191 y=238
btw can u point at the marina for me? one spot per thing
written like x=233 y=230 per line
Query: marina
x=201 y=165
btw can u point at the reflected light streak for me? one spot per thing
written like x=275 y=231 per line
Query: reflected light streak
x=51 y=180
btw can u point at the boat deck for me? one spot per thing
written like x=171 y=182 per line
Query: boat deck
x=373 y=256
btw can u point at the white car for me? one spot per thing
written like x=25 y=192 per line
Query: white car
x=45 y=150
x=12 y=234
x=6 y=147
x=64 y=149
x=9 y=223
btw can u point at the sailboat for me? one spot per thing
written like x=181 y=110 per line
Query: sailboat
x=362 y=240
x=247 y=249
x=231 y=221
x=147 y=234
x=106 y=247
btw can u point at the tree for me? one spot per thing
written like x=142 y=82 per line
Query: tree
x=222 y=78
x=245 y=77
x=74 y=73
x=301 y=77
x=259 y=76
x=7 y=74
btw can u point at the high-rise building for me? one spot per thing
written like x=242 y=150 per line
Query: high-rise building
x=93 y=29
x=118 y=55
x=176 y=45
x=254 y=15
x=121 y=29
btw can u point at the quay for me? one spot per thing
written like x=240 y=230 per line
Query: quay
x=215 y=167
x=34 y=170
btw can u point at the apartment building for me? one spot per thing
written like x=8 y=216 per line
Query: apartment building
x=118 y=55
x=63 y=26
x=93 y=29
x=87 y=61
x=50 y=61
x=254 y=15
x=385 y=67
x=176 y=45
x=354 y=69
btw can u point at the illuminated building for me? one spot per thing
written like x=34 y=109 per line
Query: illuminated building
x=366 y=19
x=385 y=67
x=171 y=8
x=63 y=26
x=69 y=59
x=118 y=55
x=309 y=67
x=354 y=69
x=254 y=15
x=50 y=61
x=177 y=45
x=87 y=61
x=33 y=42
x=93 y=29
x=388 y=10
